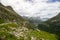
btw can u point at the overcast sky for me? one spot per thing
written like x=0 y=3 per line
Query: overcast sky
x=34 y=8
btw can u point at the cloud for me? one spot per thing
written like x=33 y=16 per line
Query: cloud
x=34 y=8
x=53 y=0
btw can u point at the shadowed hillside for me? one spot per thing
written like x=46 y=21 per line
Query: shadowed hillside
x=52 y=25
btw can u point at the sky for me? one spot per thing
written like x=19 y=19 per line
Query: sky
x=34 y=8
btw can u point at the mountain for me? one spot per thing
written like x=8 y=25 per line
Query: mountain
x=7 y=14
x=11 y=24
x=11 y=16
x=55 y=24
x=33 y=20
x=14 y=27
x=52 y=25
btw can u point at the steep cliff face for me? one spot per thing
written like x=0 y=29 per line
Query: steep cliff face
x=14 y=27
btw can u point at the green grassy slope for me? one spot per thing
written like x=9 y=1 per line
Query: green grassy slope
x=14 y=27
